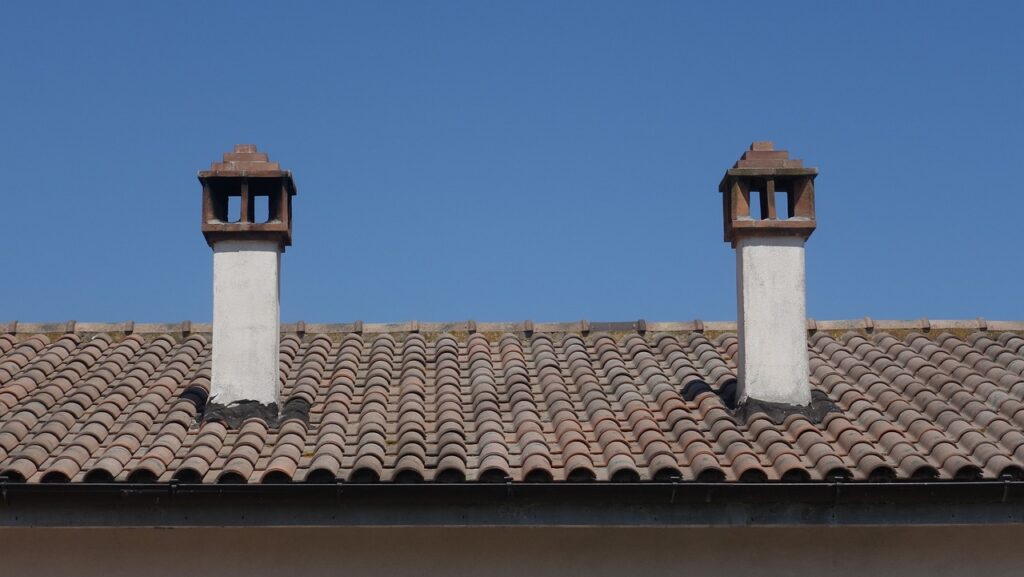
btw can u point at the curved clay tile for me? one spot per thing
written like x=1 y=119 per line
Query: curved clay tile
x=311 y=371
x=324 y=467
x=156 y=460
x=663 y=467
x=202 y=453
x=19 y=470
x=535 y=456
x=622 y=469
x=367 y=468
x=7 y=343
x=240 y=463
x=284 y=461
x=147 y=471
x=450 y=469
x=409 y=469
x=111 y=464
x=449 y=421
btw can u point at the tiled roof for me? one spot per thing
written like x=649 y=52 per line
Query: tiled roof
x=526 y=402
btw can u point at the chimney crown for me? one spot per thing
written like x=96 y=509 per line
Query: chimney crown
x=247 y=174
x=766 y=171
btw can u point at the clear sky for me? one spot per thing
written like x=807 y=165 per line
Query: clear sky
x=506 y=161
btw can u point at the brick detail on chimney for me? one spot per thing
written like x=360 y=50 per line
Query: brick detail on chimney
x=764 y=172
x=247 y=175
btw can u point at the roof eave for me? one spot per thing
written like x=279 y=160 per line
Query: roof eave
x=554 y=504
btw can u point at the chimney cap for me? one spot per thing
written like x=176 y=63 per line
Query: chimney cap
x=764 y=171
x=245 y=161
x=762 y=159
x=249 y=175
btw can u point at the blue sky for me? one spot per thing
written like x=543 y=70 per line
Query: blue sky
x=508 y=161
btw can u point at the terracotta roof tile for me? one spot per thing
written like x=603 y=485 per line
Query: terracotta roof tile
x=391 y=404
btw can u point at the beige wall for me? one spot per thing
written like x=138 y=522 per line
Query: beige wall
x=495 y=552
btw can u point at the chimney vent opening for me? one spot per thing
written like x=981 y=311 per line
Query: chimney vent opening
x=782 y=206
x=755 y=210
x=267 y=198
x=262 y=208
x=768 y=200
x=234 y=211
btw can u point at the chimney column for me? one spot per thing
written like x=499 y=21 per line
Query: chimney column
x=772 y=320
x=246 y=320
x=770 y=273
x=247 y=249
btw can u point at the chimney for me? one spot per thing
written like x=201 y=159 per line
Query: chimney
x=247 y=221
x=770 y=279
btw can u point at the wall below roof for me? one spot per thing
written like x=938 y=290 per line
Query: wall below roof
x=931 y=551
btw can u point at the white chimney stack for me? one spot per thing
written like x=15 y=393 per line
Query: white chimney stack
x=246 y=320
x=247 y=249
x=770 y=274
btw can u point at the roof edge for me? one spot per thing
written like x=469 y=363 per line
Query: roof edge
x=554 y=504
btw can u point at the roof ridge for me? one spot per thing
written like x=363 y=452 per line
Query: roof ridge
x=528 y=326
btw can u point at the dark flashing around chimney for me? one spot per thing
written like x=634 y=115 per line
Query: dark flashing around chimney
x=234 y=414
x=777 y=413
x=727 y=392
x=296 y=408
x=198 y=396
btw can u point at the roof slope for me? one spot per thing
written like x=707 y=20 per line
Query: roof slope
x=396 y=405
